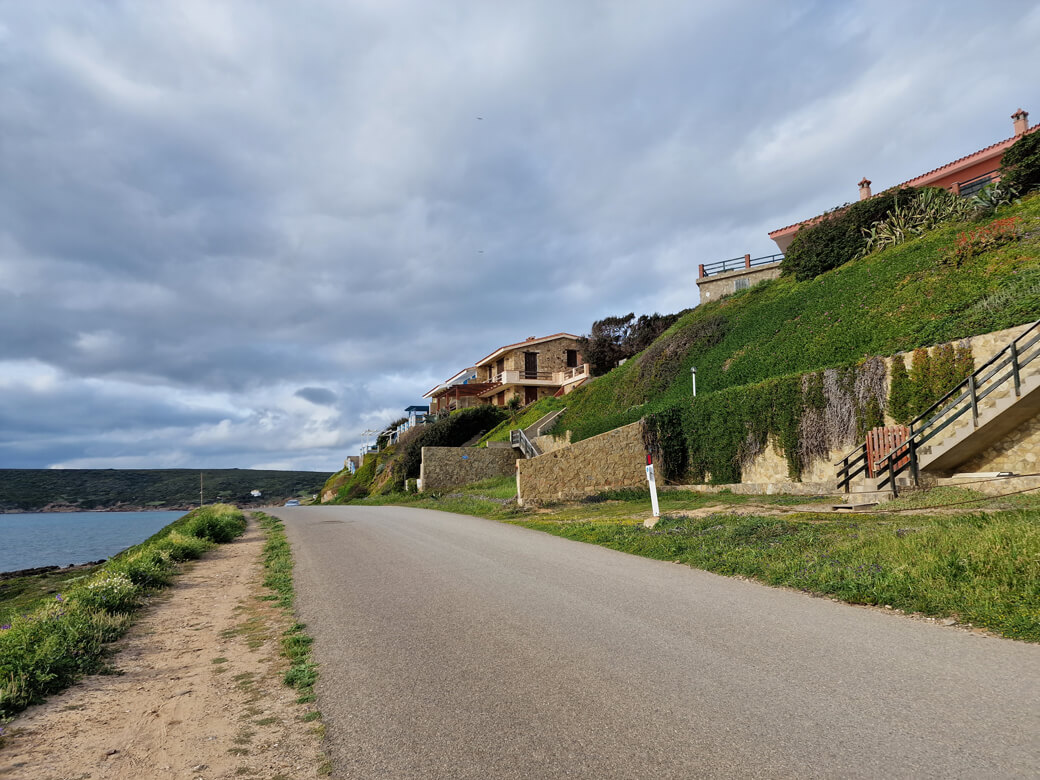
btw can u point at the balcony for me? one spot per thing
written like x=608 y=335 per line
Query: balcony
x=536 y=378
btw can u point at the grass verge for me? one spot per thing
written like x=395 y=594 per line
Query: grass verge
x=57 y=640
x=295 y=643
x=978 y=564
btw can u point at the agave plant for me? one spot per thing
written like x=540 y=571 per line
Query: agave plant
x=990 y=198
x=925 y=210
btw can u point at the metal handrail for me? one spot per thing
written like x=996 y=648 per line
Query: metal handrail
x=924 y=428
x=518 y=439
x=923 y=432
x=738 y=263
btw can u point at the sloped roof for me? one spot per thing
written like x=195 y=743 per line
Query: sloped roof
x=935 y=173
x=527 y=343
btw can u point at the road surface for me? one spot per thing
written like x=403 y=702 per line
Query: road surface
x=456 y=647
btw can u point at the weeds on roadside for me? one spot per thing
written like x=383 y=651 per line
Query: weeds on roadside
x=56 y=642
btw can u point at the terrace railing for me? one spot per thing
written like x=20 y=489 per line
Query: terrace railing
x=737 y=264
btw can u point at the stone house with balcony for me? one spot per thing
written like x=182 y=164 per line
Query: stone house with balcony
x=529 y=370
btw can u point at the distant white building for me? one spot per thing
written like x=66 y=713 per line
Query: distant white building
x=255 y=493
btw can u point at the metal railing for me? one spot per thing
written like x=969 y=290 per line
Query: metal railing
x=738 y=263
x=961 y=400
x=519 y=439
x=973 y=185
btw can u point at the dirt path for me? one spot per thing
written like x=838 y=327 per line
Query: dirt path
x=197 y=694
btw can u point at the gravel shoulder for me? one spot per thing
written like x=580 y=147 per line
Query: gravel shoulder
x=196 y=691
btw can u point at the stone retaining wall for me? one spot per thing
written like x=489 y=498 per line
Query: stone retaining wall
x=615 y=459
x=448 y=467
x=1019 y=452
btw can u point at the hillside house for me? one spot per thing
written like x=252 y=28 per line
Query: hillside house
x=532 y=369
x=529 y=370
x=964 y=176
x=460 y=392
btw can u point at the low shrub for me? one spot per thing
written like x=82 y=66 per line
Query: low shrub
x=183 y=547
x=111 y=591
x=838 y=236
x=148 y=568
x=218 y=523
x=58 y=641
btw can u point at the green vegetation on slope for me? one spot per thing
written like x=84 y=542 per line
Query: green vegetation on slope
x=527 y=417
x=32 y=489
x=57 y=641
x=895 y=300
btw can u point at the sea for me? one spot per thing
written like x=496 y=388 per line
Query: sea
x=28 y=540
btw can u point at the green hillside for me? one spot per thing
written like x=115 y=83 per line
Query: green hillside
x=32 y=489
x=907 y=296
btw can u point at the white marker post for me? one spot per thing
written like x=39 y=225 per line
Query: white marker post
x=653 y=485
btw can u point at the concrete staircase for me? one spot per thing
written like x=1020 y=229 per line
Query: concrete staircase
x=1000 y=396
x=999 y=413
x=544 y=424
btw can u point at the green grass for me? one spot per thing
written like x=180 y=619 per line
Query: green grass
x=892 y=301
x=295 y=643
x=979 y=567
x=60 y=638
x=528 y=416
x=19 y=595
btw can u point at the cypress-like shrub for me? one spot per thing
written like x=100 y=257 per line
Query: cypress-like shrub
x=1020 y=165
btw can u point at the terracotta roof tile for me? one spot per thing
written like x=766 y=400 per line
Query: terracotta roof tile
x=909 y=182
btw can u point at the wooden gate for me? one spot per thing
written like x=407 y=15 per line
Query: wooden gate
x=881 y=441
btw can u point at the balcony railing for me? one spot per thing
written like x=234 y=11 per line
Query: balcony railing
x=541 y=377
x=736 y=264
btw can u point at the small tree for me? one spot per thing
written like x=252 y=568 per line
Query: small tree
x=604 y=347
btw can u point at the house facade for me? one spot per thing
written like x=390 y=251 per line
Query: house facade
x=964 y=176
x=532 y=369
x=529 y=370
x=460 y=392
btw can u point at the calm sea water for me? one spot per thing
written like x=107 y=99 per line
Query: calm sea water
x=61 y=538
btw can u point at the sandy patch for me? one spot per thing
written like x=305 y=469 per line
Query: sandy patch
x=198 y=692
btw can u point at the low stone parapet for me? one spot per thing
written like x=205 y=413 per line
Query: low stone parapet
x=449 y=467
x=615 y=459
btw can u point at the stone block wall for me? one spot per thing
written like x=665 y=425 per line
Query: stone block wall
x=448 y=467
x=549 y=443
x=714 y=287
x=615 y=459
x=1018 y=452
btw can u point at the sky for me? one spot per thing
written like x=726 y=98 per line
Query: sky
x=239 y=234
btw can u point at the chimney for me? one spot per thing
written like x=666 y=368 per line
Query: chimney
x=864 y=188
x=1021 y=119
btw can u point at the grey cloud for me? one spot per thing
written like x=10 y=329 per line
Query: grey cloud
x=321 y=396
x=229 y=199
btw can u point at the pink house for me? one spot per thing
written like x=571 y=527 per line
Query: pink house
x=963 y=176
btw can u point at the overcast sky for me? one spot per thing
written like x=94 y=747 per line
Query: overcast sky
x=238 y=234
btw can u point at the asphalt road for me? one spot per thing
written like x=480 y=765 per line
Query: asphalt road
x=455 y=647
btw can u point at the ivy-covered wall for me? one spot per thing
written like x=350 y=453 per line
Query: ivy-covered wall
x=808 y=421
